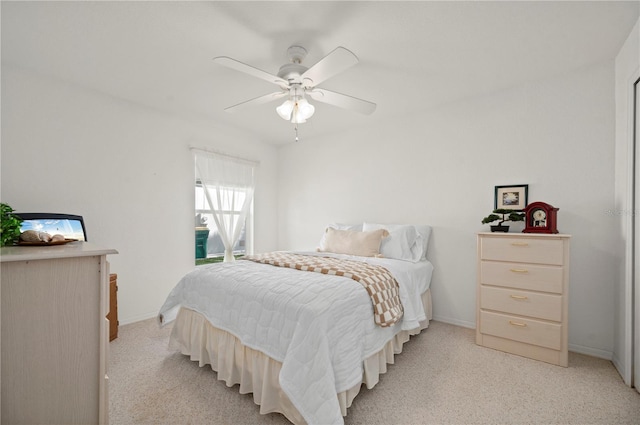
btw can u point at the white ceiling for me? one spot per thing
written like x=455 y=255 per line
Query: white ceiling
x=412 y=54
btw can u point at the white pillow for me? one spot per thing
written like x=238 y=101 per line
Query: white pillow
x=422 y=243
x=401 y=242
x=363 y=244
x=337 y=226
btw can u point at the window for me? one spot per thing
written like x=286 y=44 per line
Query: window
x=223 y=200
x=204 y=219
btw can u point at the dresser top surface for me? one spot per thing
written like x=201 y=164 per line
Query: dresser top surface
x=524 y=235
x=70 y=250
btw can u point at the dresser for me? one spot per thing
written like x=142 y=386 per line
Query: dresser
x=54 y=334
x=522 y=294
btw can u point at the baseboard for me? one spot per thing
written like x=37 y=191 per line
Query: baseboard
x=139 y=318
x=593 y=352
x=462 y=323
x=620 y=368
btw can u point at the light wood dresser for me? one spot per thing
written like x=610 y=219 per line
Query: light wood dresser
x=522 y=294
x=54 y=340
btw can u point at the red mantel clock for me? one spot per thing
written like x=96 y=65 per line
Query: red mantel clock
x=540 y=218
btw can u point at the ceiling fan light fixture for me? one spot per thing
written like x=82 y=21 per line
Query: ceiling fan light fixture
x=297 y=119
x=286 y=109
x=297 y=111
x=304 y=109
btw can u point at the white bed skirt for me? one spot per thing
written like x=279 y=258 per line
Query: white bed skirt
x=257 y=373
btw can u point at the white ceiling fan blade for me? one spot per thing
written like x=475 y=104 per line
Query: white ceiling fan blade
x=343 y=101
x=334 y=63
x=251 y=70
x=257 y=101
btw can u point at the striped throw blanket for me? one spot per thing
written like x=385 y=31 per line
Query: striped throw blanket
x=380 y=284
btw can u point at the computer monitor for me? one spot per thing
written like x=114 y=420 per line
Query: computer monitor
x=69 y=225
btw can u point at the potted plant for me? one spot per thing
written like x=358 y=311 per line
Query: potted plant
x=502 y=215
x=9 y=226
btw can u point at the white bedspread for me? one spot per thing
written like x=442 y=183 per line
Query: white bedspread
x=320 y=327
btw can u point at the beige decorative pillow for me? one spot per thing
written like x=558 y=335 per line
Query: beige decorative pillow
x=363 y=244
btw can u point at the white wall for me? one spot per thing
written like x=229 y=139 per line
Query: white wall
x=439 y=167
x=627 y=71
x=126 y=169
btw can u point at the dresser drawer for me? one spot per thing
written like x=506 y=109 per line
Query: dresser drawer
x=523 y=250
x=532 y=304
x=530 y=331
x=522 y=276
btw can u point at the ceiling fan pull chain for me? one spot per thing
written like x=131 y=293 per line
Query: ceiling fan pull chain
x=296 y=128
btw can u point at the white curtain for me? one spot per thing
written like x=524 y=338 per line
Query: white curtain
x=228 y=186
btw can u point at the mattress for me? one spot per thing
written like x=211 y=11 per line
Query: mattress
x=317 y=328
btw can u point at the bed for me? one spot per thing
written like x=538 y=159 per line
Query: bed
x=303 y=340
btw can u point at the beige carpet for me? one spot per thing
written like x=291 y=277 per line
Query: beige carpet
x=441 y=377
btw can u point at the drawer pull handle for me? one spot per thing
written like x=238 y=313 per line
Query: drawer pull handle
x=519 y=297
x=522 y=325
x=519 y=244
x=520 y=270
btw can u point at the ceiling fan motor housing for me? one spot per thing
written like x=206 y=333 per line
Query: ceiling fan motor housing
x=292 y=72
x=296 y=54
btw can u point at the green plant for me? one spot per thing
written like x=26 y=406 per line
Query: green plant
x=503 y=215
x=9 y=225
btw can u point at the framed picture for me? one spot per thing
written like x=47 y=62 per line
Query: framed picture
x=512 y=197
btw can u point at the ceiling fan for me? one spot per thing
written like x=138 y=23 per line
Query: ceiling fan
x=296 y=81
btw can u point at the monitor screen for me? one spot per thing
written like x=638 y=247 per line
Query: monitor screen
x=69 y=225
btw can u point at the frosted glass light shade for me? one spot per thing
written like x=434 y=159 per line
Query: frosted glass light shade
x=297 y=118
x=285 y=109
x=297 y=111
x=305 y=108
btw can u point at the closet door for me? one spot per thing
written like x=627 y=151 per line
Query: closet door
x=636 y=238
